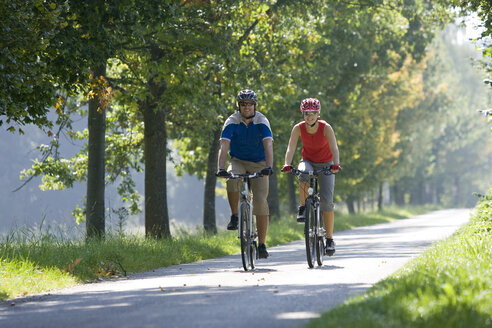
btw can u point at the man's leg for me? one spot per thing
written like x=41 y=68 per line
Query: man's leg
x=233 y=187
x=262 y=227
x=233 y=197
x=259 y=187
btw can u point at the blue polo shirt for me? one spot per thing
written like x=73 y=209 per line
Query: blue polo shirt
x=247 y=140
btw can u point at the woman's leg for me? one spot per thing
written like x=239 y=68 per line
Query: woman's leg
x=329 y=221
x=304 y=181
x=303 y=187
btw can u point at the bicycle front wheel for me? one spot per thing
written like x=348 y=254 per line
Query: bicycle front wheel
x=309 y=233
x=247 y=252
x=320 y=239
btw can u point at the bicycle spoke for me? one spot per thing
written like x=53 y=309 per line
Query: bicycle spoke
x=244 y=236
x=308 y=234
x=320 y=232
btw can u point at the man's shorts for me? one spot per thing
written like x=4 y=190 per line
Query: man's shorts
x=259 y=186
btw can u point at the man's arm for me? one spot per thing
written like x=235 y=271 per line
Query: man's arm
x=268 y=145
x=224 y=148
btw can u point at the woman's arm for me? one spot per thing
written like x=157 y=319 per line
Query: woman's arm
x=291 y=148
x=332 y=141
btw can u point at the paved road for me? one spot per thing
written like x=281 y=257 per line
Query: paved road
x=282 y=292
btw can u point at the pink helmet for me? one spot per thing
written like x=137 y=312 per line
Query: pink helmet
x=310 y=105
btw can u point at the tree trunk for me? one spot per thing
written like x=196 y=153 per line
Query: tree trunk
x=209 y=220
x=95 y=219
x=155 y=155
x=273 y=202
x=417 y=194
x=155 y=148
x=292 y=194
x=350 y=204
x=380 y=197
x=398 y=195
x=456 y=192
x=439 y=190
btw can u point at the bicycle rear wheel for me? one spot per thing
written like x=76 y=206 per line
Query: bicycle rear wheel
x=247 y=253
x=320 y=237
x=309 y=235
x=253 y=238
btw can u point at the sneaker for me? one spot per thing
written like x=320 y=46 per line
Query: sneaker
x=262 y=252
x=330 y=247
x=233 y=223
x=301 y=216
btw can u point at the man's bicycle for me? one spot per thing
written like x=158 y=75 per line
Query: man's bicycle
x=314 y=229
x=247 y=232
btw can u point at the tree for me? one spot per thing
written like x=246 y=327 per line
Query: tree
x=31 y=75
x=255 y=34
x=484 y=12
x=94 y=19
x=163 y=65
x=355 y=58
x=81 y=47
x=95 y=210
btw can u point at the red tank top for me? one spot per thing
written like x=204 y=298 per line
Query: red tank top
x=315 y=147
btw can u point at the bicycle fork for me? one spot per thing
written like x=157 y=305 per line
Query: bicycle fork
x=318 y=230
x=245 y=199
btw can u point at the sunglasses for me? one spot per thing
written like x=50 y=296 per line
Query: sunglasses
x=310 y=113
x=246 y=103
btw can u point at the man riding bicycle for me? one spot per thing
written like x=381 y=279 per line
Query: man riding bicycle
x=319 y=150
x=248 y=136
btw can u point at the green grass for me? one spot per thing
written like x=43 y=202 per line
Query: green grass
x=449 y=285
x=37 y=262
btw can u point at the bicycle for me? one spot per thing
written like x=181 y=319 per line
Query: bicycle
x=247 y=232
x=314 y=230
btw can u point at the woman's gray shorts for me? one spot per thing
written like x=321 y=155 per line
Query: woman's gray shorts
x=326 y=183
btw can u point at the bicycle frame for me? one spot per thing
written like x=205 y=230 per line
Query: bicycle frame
x=249 y=237
x=313 y=229
x=245 y=199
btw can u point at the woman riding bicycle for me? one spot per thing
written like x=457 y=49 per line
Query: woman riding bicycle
x=319 y=150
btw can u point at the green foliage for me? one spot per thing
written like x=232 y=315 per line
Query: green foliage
x=28 y=84
x=47 y=49
x=368 y=62
x=23 y=277
x=483 y=9
x=448 y=286
x=439 y=133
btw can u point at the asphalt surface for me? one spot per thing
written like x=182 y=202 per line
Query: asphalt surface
x=281 y=292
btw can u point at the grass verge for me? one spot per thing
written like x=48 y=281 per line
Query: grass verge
x=449 y=285
x=31 y=263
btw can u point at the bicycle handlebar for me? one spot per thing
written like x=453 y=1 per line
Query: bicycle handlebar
x=242 y=175
x=325 y=171
x=245 y=175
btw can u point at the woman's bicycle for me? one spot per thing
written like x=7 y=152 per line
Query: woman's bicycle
x=247 y=232
x=314 y=229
